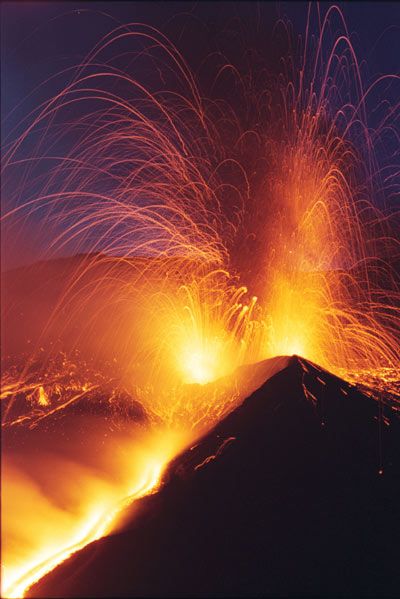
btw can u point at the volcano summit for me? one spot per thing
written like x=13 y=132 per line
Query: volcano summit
x=295 y=492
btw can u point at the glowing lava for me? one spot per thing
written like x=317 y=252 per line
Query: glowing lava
x=100 y=511
x=173 y=215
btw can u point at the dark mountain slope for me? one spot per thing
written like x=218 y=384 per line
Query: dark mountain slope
x=283 y=497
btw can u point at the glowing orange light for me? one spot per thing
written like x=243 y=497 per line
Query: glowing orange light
x=164 y=302
x=200 y=364
x=92 y=524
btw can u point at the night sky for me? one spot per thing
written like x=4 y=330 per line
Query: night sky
x=40 y=39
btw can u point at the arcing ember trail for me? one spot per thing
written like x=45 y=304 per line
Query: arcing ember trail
x=200 y=242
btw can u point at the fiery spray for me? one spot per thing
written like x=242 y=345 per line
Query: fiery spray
x=194 y=263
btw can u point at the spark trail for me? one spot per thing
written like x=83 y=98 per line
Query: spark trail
x=207 y=242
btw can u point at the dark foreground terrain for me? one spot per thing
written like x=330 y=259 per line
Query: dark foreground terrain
x=296 y=492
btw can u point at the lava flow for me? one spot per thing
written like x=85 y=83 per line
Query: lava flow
x=56 y=502
x=95 y=525
x=178 y=241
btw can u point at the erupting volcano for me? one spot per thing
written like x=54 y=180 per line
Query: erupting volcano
x=201 y=316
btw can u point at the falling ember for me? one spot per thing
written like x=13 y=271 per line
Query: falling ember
x=42 y=397
x=194 y=253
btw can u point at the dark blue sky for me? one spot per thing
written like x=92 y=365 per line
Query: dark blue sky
x=40 y=39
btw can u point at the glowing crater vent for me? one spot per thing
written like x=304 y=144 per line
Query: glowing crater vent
x=203 y=362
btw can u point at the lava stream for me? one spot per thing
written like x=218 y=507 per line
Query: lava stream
x=97 y=522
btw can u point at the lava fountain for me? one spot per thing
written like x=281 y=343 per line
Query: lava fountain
x=191 y=264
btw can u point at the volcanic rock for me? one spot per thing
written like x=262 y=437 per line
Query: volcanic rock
x=295 y=492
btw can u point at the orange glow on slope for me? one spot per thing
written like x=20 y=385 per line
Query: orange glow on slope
x=73 y=531
x=95 y=526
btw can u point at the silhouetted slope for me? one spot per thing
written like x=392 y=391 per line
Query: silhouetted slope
x=284 y=496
